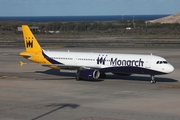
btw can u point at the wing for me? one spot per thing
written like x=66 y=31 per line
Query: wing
x=71 y=67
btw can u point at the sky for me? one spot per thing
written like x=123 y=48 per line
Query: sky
x=87 y=7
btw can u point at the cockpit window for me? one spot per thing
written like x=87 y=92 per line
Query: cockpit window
x=165 y=62
x=161 y=62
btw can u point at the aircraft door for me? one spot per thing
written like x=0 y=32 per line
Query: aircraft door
x=148 y=62
x=76 y=60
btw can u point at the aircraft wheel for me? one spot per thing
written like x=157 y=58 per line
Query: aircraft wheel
x=77 y=77
x=102 y=75
x=152 y=79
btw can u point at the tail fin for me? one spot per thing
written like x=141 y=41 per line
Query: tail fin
x=30 y=41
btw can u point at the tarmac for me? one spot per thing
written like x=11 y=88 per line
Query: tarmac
x=33 y=92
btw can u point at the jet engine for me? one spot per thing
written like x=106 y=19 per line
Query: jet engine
x=87 y=74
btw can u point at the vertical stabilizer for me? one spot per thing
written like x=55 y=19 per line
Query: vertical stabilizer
x=30 y=41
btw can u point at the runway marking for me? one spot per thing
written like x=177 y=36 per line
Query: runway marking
x=172 y=86
x=4 y=76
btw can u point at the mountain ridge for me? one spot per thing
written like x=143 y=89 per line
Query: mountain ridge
x=175 y=18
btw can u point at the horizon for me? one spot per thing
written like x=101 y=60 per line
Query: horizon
x=80 y=18
x=91 y=15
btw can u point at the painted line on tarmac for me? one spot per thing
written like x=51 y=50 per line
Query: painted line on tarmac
x=5 y=76
x=172 y=86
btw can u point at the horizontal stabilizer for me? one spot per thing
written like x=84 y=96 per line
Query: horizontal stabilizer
x=21 y=63
x=25 y=54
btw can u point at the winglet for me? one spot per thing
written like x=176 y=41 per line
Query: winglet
x=21 y=63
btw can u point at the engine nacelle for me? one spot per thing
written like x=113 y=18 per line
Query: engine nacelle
x=89 y=74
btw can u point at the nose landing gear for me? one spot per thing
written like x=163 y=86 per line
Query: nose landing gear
x=152 y=79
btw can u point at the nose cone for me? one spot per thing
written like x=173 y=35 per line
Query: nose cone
x=170 y=68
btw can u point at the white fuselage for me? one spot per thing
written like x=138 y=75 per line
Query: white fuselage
x=108 y=62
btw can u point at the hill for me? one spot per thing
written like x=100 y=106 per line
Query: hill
x=175 y=18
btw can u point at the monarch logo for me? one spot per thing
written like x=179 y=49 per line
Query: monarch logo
x=118 y=62
x=101 y=59
x=29 y=44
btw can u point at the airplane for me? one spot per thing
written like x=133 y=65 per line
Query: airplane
x=94 y=65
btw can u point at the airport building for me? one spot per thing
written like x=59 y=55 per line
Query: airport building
x=33 y=29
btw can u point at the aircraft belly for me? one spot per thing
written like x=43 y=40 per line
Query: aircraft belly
x=131 y=70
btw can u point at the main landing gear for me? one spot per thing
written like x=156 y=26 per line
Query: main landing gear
x=78 y=78
x=152 y=79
